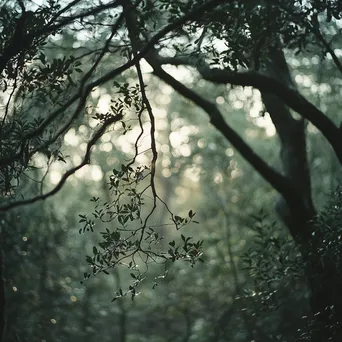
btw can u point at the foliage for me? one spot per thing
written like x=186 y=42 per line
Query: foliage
x=327 y=226
x=275 y=264
x=276 y=268
x=75 y=83
x=128 y=245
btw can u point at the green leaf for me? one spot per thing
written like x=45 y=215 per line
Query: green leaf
x=89 y=259
x=116 y=236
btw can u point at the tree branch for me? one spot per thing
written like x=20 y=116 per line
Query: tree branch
x=42 y=33
x=84 y=90
x=2 y=294
x=279 y=182
x=315 y=31
x=266 y=84
x=85 y=161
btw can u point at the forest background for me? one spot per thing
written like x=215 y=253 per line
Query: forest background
x=170 y=170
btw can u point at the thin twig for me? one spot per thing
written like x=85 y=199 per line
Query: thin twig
x=85 y=161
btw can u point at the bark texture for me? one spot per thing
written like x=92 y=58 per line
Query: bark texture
x=324 y=280
x=2 y=298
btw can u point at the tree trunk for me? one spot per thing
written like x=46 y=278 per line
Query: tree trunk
x=2 y=297
x=324 y=279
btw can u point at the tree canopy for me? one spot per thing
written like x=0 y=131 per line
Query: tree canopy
x=89 y=72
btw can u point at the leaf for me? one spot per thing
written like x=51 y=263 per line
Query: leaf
x=116 y=236
x=42 y=58
x=89 y=259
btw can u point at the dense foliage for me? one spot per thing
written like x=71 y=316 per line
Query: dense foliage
x=109 y=179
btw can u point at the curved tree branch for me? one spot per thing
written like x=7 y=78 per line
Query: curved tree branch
x=2 y=294
x=279 y=182
x=85 y=89
x=85 y=161
x=269 y=85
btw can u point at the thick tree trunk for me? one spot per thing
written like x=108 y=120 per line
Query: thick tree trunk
x=2 y=297
x=325 y=283
x=324 y=279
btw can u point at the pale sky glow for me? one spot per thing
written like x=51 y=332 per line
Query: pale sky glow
x=71 y=138
x=93 y=172
x=180 y=134
x=55 y=176
x=179 y=137
x=104 y=103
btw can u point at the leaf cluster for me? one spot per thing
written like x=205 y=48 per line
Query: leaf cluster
x=133 y=242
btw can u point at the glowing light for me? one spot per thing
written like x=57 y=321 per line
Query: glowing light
x=76 y=159
x=164 y=99
x=254 y=112
x=248 y=91
x=201 y=143
x=324 y=88
x=182 y=74
x=106 y=137
x=229 y=152
x=104 y=103
x=220 y=100
x=71 y=138
x=96 y=173
x=53 y=321
x=73 y=298
x=236 y=173
x=111 y=160
x=145 y=66
x=83 y=129
x=218 y=178
x=93 y=172
x=166 y=173
x=175 y=139
x=165 y=148
x=160 y=113
x=55 y=177
x=238 y=104
x=107 y=147
x=161 y=124
x=193 y=173
x=166 y=162
x=270 y=130
x=299 y=78
x=185 y=150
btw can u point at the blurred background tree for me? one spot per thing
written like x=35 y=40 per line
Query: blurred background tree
x=105 y=170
